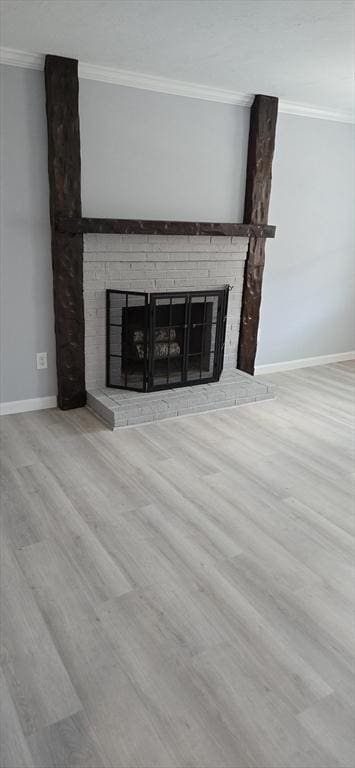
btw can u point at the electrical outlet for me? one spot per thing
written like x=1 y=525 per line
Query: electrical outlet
x=41 y=360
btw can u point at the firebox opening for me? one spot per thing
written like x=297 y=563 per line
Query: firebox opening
x=158 y=341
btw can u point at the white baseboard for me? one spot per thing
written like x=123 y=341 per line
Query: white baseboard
x=34 y=404
x=305 y=362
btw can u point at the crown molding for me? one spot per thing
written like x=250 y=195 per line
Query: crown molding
x=320 y=113
x=162 y=85
x=144 y=82
x=22 y=59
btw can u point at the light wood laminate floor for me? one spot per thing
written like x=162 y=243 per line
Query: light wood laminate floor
x=180 y=594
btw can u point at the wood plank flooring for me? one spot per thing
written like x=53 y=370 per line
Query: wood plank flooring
x=179 y=595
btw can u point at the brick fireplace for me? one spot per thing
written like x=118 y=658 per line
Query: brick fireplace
x=156 y=264
x=90 y=255
x=164 y=264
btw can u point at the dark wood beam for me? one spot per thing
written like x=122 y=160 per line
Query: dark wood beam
x=145 y=227
x=64 y=169
x=263 y=117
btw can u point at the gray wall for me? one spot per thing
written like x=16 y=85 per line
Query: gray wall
x=153 y=155
x=308 y=289
x=26 y=277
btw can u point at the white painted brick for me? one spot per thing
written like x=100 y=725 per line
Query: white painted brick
x=114 y=243
x=91 y=286
x=218 y=256
x=155 y=256
x=136 y=266
x=121 y=408
x=157 y=263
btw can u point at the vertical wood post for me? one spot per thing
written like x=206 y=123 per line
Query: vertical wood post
x=64 y=169
x=263 y=117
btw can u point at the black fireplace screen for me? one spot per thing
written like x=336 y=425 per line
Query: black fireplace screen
x=164 y=340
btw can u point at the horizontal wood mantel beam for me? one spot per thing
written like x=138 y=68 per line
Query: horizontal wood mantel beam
x=146 y=227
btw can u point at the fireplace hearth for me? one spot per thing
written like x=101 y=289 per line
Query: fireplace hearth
x=157 y=341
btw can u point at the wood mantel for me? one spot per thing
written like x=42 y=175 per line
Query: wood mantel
x=146 y=227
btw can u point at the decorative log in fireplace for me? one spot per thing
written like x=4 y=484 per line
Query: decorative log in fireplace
x=163 y=340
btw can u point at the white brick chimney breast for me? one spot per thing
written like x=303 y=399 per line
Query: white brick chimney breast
x=153 y=263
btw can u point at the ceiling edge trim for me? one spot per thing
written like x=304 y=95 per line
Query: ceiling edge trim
x=166 y=85
x=22 y=59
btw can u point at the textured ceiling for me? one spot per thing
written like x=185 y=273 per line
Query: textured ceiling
x=299 y=50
